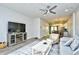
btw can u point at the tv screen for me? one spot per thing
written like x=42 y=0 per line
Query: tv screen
x=16 y=27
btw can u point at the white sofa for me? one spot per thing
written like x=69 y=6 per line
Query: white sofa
x=66 y=50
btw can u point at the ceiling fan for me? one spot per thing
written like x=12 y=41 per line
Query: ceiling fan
x=48 y=9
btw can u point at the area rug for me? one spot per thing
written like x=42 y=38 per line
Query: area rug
x=27 y=49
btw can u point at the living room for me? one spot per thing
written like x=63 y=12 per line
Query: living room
x=21 y=20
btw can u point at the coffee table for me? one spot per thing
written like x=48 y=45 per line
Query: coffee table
x=42 y=48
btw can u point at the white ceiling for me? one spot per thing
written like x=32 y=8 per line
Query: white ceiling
x=33 y=9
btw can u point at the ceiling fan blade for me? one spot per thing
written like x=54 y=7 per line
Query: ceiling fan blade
x=42 y=10
x=53 y=7
x=52 y=12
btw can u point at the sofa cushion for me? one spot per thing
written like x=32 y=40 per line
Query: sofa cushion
x=65 y=50
x=54 y=36
x=68 y=42
x=76 y=52
x=74 y=45
x=64 y=39
x=76 y=37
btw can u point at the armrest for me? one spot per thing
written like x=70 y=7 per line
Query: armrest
x=49 y=40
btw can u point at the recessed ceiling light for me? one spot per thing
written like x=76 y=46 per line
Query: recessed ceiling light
x=66 y=10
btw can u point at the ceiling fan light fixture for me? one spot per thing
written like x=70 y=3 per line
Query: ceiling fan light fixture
x=49 y=10
x=66 y=10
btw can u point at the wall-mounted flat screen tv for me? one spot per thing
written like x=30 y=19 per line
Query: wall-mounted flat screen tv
x=16 y=27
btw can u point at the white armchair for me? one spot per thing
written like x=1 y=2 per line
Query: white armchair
x=54 y=37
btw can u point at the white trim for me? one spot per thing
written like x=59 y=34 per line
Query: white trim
x=74 y=18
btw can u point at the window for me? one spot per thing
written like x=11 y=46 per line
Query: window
x=54 y=28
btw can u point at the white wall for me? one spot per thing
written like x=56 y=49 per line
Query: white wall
x=69 y=26
x=77 y=22
x=35 y=27
x=43 y=28
x=9 y=15
x=39 y=28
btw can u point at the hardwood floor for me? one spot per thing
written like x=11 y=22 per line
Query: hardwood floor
x=15 y=47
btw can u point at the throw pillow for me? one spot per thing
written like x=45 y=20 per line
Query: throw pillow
x=68 y=42
x=74 y=45
x=76 y=52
